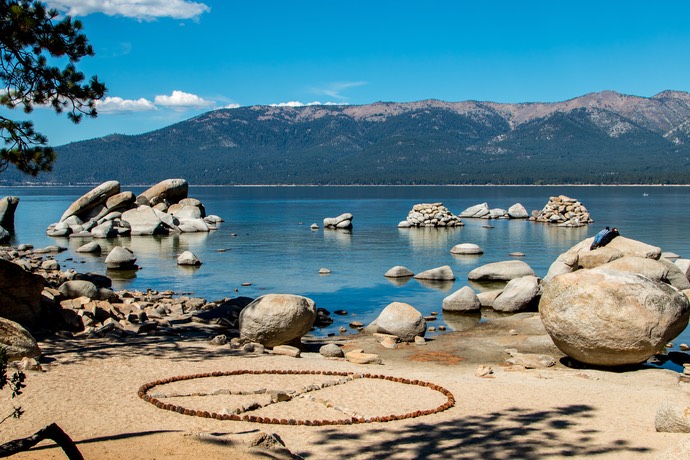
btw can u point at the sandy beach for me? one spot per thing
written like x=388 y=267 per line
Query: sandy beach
x=89 y=388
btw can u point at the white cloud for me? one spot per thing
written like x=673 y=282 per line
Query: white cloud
x=117 y=104
x=231 y=106
x=300 y=104
x=146 y=10
x=179 y=100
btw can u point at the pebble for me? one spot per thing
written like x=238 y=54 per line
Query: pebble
x=356 y=324
x=324 y=271
x=684 y=347
x=419 y=340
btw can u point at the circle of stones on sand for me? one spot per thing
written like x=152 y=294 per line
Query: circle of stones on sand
x=144 y=389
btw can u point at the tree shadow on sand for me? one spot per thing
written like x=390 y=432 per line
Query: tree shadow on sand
x=514 y=433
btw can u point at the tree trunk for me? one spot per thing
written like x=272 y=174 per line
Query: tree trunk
x=53 y=432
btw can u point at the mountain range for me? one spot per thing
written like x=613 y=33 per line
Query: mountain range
x=598 y=138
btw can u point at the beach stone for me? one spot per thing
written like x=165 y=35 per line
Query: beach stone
x=501 y=271
x=17 y=341
x=530 y=360
x=466 y=249
x=276 y=319
x=611 y=318
x=286 y=350
x=520 y=294
x=8 y=206
x=20 y=294
x=518 y=211
x=331 y=350
x=50 y=264
x=169 y=190
x=144 y=221
x=188 y=258
x=462 y=300
x=398 y=272
x=93 y=198
x=120 y=258
x=78 y=288
x=358 y=357
x=399 y=319
x=444 y=273
x=90 y=248
x=673 y=417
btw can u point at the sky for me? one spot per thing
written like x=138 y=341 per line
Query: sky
x=165 y=61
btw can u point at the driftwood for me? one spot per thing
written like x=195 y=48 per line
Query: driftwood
x=53 y=432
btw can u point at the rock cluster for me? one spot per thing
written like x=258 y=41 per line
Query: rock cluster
x=482 y=211
x=563 y=211
x=106 y=212
x=430 y=215
x=343 y=221
x=616 y=305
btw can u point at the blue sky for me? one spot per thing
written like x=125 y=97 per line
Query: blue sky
x=165 y=61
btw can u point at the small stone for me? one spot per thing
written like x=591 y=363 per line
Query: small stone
x=219 y=340
x=358 y=357
x=419 y=340
x=513 y=332
x=442 y=328
x=314 y=226
x=669 y=345
x=331 y=350
x=324 y=271
x=50 y=264
x=432 y=329
x=517 y=254
x=279 y=396
x=356 y=324
x=286 y=350
x=340 y=312
x=483 y=371
x=684 y=347
x=246 y=284
x=389 y=342
x=342 y=330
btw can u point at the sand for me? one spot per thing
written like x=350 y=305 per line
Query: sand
x=89 y=388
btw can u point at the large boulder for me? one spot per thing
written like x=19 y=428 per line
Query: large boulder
x=169 y=191
x=398 y=272
x=120 y=202
x=188 y=258
x=462 y=300
x=520 y=294
x=90 y=200
x=17 y=341
x=501 y=271
x=444 y=273
x=466 y=249
x=5 y=236
x=399 y=319
x=611 y=318
x=20 y=294
x=276 y=319
x=8 y=205
x=144 y=221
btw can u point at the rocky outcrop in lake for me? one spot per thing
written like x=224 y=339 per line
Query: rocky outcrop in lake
x=482 y=211
x=563 y=211
x=108 y=212
x=430 y=215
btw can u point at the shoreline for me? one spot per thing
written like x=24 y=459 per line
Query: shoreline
x=351 y=185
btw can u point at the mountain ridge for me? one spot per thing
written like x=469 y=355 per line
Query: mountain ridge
x=600 y=137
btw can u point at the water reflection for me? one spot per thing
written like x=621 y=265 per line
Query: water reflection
x=341 y=237
x=399 y=281
x=461 y=321
x=563 y=236
x=121 y=275
x=428 y=237
x=438 y=285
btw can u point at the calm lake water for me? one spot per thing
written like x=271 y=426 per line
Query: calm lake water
x=268 y=241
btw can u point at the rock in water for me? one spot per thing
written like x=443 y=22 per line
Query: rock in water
x=188 y=258
x=398 y=272
x=8 y=205
x=170 y=191
x=501 y=271
x=519 y=295
x=444 y=273
x=276 y=319
x=120 y=258
x=399 y=319
x=462 y=300
x=608 y=318
x=96 y=197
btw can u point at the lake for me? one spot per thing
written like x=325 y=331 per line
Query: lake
x=266 y=240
